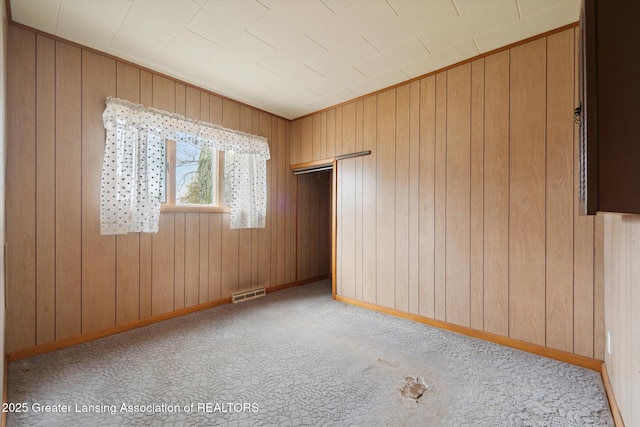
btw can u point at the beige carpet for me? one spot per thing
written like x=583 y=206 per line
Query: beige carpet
x=297 y=357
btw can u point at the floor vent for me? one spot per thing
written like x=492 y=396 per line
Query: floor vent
x=246 y=295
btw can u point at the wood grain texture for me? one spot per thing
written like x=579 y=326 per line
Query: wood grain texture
x=264 y=237
x=146 y=98
x=559 y=197
x=331 y=134
x=426 y=188
x=191 y=258
x=458 y=195
x=68 y=191
x=306 y=139
x=180 y=251
x=440 y=188
x=359 y=230
x=45 y=190
x=527 y=192
x=496 y=194
x=477 y=196
x=20 y=191
x=369 y=200
x=385 y=217
x=347 y=218
x=401 y=202
x=316 y=137
x=245 y=244
x=414 y=199
x=127 y=245
x=98 y=252
x=230 y=242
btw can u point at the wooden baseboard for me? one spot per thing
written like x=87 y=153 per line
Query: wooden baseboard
x=79 y=339
x=563 y=356
x=615 y=411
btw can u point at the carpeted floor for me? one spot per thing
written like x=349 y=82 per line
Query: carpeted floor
x=297 y=357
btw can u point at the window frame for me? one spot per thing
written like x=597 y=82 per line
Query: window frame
x=169 y=205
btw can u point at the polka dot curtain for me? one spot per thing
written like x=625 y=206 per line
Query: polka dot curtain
x=134 y=166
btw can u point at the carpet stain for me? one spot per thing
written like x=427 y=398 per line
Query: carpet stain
x=414 y=388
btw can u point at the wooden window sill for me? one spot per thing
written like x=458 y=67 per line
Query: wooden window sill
x=202 y=209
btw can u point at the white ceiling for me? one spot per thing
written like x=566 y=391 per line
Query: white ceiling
x=294 y=57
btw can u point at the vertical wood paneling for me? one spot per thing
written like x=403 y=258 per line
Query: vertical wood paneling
x=583 y=248
x=295 y=141
x=191 y=259
x=331 y=133
x=180 y=229
x=255 y=233
x=338 y=132
x=358 y=204
x=599 y=333
x=20 y=190
x=272 y=201
x=98 y=252
x=289 y=218
x=323 y=134
x=215 y=257
x=303 y=241
x=127 y=245
x=385 y=221
x=230 y=248
x=68 y=191
x=162 y=243
x=347 y=189
x=264 y=237
x=281 y=204
x=316 y=137
x=440 y=196
x=369 y=199
x=458 y=195
x=146 y=98
x=245 y=236
x=496 y=194
x=306 y=139
x=426 y=188
x=477 y=195
x=527 y=193
x=559 y=197
x=403 y=98
x=203 y=233
x=414 y=198
x=45 y=190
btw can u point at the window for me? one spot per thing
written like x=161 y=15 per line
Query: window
x=194 y=177
x=136 y=182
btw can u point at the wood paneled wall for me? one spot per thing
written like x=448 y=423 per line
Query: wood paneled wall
x=622 y=299
x=466 y=210
x=65 y=279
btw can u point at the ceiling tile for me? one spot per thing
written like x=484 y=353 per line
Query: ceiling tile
x=351 y=21
x=353 y=51
x=161 y=20
x=241 y=52
x=287 y=20
x=222 y=21
x=478 y=16
x=135 y=46
x=300 y=76
x=343 y=78
x=293 y=55
x=530 y=7
x=186 y=51
x=92 y=23
x=454 y=54
x=387 y=79
x=43 y=17
x=549 y=19
x=409 y=52
x=422 y=16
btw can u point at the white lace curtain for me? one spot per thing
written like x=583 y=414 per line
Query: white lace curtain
x=134 y=166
